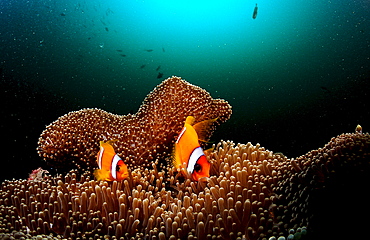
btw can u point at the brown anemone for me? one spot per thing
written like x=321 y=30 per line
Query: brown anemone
x=252 y=193
x=144 y=137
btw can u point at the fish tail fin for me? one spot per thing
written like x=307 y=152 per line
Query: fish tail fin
x=175 y=161
x=203 y=128
x=101 y=174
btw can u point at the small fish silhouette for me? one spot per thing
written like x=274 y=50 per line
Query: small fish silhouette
x=255 y=12
x=325 y=89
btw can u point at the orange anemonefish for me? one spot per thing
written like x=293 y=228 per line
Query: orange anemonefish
x=111 y=166
x=188 y=156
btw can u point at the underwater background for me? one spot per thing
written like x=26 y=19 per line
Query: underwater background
x=296 y=75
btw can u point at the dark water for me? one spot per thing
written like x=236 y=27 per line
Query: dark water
x=296 y=75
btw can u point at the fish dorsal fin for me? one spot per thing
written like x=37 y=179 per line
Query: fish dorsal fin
x=190 y=120
x=110 y=142
x=202 y=128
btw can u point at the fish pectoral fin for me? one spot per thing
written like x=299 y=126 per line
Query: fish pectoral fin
x=208 y=151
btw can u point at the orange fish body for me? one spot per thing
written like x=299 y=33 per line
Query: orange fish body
x=188 y=156
x=111 y=166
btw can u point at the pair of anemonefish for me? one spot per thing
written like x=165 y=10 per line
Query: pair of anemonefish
x=187 y=156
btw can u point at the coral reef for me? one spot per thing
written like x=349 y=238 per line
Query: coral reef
x=144 y=137
x=252 y=193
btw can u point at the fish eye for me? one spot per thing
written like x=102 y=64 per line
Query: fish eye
x=118 y=168
x=197 y=167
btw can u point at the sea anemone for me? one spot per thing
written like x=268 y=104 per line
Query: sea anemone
x=142 y=138
x=252 y=193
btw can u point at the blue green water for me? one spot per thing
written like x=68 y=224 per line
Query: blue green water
x=296 y=75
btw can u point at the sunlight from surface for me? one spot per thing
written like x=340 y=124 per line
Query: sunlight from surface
x=193 y=6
